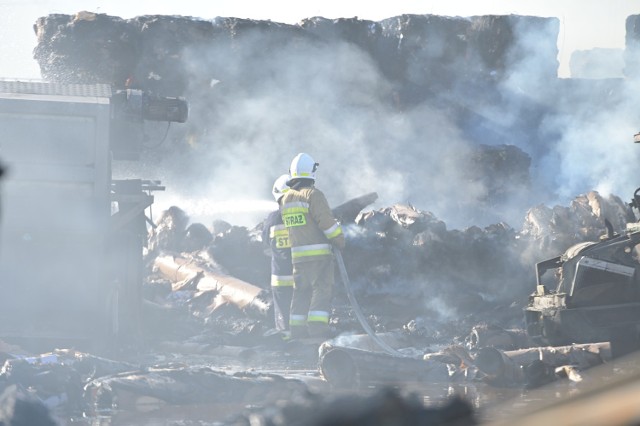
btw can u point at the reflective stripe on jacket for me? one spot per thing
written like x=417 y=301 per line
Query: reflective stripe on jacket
x=311 y=225
x=310 y=250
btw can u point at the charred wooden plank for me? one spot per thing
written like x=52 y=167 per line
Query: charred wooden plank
x=536 y=365
x=242 y=294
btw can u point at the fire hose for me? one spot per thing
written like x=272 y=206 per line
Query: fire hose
x=356 y=307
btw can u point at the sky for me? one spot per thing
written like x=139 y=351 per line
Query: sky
x=585 y=24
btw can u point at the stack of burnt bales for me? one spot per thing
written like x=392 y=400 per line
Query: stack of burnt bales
x=156 y=52
x=426 y=51
x=435 y=52
x=456 y=62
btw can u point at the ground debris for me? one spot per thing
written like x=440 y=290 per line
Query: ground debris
x=190 y=384
x=381 y=407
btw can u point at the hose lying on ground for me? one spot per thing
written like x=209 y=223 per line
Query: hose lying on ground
x=356 y=308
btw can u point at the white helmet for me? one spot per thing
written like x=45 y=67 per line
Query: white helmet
x=303 y=167
x=280 y=186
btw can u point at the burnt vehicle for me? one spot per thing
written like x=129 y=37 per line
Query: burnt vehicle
x=596 y=291
x=72 y=236
x=594 y=294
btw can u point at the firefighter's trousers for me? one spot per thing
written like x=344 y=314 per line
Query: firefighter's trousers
x=311 y=303
x=282 y=296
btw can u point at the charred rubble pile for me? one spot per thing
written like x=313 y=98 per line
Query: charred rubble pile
x=410 y=273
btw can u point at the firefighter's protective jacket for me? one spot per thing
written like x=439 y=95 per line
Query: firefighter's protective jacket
x=312 y=227
x=277 y=235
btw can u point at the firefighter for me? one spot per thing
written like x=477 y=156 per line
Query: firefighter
x=275 y=233
x=312 y=231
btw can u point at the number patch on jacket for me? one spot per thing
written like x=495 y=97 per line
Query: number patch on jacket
x=294 y=219
x=283 y=242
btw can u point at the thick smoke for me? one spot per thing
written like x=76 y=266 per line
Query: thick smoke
x=584 y=131
x=410 y=107
x=595 y=149
x=262 y=104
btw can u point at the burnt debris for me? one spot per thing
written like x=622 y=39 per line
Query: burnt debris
x=408 y=270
